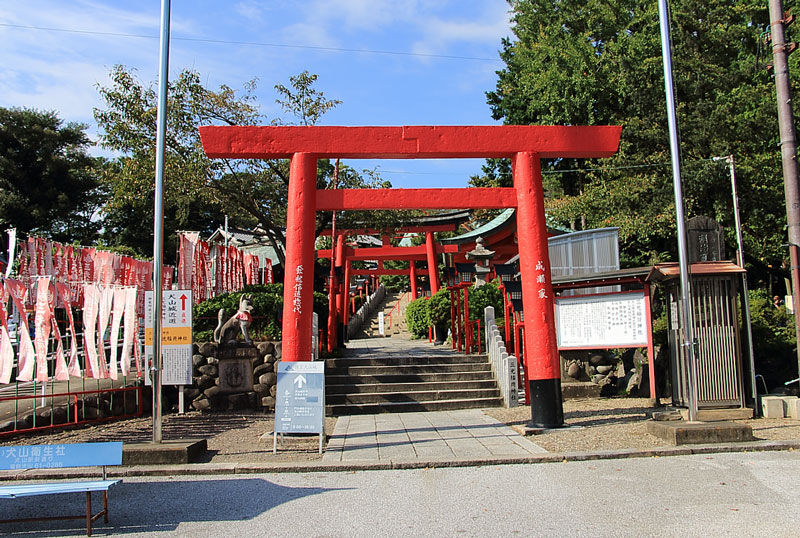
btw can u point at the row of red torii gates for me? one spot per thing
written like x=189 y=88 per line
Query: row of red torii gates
x=342 y=257
x=524 y=145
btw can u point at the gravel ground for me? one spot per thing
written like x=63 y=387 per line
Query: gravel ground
x=619 y=423
x=594 y=424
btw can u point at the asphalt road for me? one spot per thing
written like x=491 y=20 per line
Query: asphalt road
x=750 y=494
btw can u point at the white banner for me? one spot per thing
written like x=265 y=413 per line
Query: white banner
x=12 y=247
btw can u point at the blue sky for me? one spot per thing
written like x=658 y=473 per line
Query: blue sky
x=442 y=59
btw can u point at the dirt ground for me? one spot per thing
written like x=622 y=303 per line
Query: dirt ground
x=593 y=425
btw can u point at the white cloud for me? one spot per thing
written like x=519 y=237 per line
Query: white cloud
x=249 y=10
x=403 y=25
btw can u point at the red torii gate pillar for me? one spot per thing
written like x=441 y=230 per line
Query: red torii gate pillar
x=413 y=277
x=298 y=282
x=541 y=346
x=524 y=144
x=340 y=306
x=433 y=267
x=333 y=292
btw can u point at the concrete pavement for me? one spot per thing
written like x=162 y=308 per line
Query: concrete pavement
x=438 y=435
x=723 y=495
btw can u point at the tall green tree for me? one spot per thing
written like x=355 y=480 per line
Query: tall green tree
x=199 y=190
x=48 y=182
x=595 y=62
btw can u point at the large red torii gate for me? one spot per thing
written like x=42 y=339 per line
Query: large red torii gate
x=524 y=145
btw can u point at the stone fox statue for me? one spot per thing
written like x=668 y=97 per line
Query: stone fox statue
x=226 y=332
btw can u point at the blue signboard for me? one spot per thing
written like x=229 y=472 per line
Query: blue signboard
x=60 y=456
x=300 y=397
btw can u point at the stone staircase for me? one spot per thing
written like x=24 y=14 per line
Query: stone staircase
x=394 y=317
x=398 y=384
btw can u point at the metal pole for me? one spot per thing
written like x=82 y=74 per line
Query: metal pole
x=686 y=297
x=745 y=289
x=788 y=152
x=158 y=220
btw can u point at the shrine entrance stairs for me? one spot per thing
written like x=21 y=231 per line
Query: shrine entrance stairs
x=398 y=375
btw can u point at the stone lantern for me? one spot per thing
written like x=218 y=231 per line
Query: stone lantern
x=482 y=256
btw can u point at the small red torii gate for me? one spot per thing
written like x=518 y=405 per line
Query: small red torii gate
x=524 y=145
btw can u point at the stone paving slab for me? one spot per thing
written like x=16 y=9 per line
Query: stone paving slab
x=370 y=347
x=433 y=435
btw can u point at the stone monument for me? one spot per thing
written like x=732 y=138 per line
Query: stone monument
x=706 y=240
x=235 y=357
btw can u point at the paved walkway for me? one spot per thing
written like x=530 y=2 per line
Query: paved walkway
x=396 y=345
x=437 y=435
x=466 y=434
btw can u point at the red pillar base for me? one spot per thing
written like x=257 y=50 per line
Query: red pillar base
x=546 y=408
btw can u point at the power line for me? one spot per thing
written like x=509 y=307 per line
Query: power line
x=544 y=172
x=622 y=167
x=254 y=43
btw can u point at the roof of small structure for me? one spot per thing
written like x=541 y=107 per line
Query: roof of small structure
x=238 y=236
x=254 y=241
x=453 y=218
x=606 y=278
x=500 y=222
x=668 y=271
x=503 y=221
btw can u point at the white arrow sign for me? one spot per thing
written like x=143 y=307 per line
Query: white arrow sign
x=300 y=380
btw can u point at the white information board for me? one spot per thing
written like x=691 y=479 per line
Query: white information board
x=176 y=336
x=614 y=320
x=300 y=399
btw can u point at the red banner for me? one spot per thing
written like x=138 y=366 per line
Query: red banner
x=42 y=322
x=6 y=351
x=60 y=373
x=26 y=358
x=91 y=303
x=73 y=367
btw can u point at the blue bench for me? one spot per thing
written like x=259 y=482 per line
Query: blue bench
x=61 y=457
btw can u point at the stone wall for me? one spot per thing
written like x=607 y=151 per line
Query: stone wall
x=207 y=394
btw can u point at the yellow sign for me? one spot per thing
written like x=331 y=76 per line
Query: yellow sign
x=170 y=336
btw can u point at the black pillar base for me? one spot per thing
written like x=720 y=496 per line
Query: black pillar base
x=341 y=333
x=547 y=410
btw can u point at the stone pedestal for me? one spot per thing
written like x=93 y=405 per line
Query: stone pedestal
x=679 y=432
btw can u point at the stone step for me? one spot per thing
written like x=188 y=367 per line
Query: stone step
x=424 y=386
x=394 y=360
x=409 y=369
x=411 y=396
x=331 y=380
x=410 y=407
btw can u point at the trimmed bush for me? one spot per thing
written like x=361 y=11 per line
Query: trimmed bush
x=773 y=340
x=486 y=295
x=417 y=318
x=439 y=307
x=267 y=312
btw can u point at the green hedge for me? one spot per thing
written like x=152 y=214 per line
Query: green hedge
x=486 y=295
x=773 y=340
x=439 y=307
x=417 y=318
x=267 y=312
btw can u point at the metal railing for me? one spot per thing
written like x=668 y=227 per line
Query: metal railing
x=364 y=313
x=67 y=408
x=474 y=328
x=390 y=317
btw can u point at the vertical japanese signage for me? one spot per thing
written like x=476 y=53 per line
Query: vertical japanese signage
x=176 y=336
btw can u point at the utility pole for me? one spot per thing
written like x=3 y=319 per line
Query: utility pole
x=689 y=344
x=158 y=221
x=780 y=53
